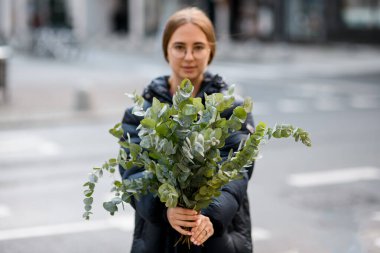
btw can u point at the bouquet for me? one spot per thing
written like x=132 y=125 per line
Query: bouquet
x=180 y=150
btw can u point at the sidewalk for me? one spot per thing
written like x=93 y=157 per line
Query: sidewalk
x=42 y=91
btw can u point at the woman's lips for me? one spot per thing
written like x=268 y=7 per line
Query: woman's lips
x=188 y=68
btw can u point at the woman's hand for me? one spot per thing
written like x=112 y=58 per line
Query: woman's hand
x=202 y=231
x=180 y=218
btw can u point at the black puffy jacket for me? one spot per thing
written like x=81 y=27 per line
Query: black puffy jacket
x=229 y=213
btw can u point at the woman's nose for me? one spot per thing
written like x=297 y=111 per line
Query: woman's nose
x=189 y=54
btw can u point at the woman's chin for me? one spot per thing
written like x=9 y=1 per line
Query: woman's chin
x=190 y=75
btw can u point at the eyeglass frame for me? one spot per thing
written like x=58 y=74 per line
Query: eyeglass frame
x=173 y=48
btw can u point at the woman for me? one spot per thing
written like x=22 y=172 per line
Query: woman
x=189 y=47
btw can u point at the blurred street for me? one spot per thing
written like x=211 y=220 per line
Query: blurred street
x=323 y=199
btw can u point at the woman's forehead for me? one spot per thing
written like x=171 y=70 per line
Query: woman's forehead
x=188 y=33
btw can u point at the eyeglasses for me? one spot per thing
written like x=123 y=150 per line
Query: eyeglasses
x=179 y=51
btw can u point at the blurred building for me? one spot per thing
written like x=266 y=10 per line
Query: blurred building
x=306 y=20
x=311 y=21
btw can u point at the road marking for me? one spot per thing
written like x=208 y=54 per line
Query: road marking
x=259 y=234
x=125 y=224
x=376 y=216
x=340 y=176
x=4 y=211
x=328 y=103
x=291 y=105
x=377 y=242
x=13 y=145
x=364 y=101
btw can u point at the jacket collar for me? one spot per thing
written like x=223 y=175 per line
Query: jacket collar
x=159 y=87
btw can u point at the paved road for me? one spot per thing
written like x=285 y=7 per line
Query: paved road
x=323 y=199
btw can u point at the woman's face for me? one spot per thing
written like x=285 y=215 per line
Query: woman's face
x=188 y=54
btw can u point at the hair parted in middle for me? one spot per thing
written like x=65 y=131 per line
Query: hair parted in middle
x=194 y=16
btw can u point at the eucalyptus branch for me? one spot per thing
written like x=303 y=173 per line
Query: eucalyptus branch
x=179 y=150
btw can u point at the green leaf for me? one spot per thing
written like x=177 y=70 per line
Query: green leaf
x=189 y=109
x=163 y=129
x=117 y=183
x=183 y=168
x=240 y=113
x=146 y=142
x=112 y=161
x=233 y=123
x=186 y=86
x=148 y=123
x=155 y=108
x=88 y=201
x=110 y=207
x=168 y=194
x=168 y=148
x=184 y=93
x=202 y=204
x=248 y=104
x=88 y=193
x=164 y=110
x=139 y=103
x=231 y=90
x=117 y=131
x=277 y=133
x=126 y=197
x=189 y=203
x=219 y=101
x=203 y=190
x=116 y=200
x=134 y=150
x=87 y=208
x=86 y=215
x=197 y=102
x=91 y=186
x=285 y=133
x=209 y=116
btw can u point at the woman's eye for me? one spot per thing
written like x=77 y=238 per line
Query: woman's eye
x=198 y=48
x=179 y=47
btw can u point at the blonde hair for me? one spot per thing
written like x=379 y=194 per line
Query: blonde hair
x=194 y=16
